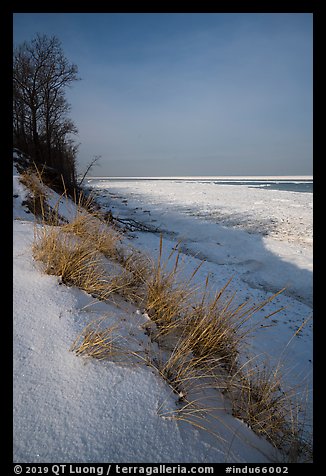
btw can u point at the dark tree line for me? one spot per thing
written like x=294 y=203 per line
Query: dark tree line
x=41 y=126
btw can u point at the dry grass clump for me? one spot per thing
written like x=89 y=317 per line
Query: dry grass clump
x=89 y=228
x=102 y=340
x=87 y=202
x=217 y=327
x=77 y=262
x=31 y=179
x=165 y=301
x=98 y=341
x=76 y=250
x=36 y=201
x=167 y=298
x=258 y=398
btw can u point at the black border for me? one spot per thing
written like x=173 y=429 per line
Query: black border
x=231 y=6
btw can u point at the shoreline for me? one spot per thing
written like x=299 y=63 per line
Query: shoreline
x=275 y=214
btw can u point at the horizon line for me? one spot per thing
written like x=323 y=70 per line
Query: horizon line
x=205 y=177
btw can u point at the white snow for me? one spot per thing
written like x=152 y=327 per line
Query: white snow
x=72 y=409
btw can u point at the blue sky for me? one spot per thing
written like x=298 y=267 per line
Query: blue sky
x=187 y=94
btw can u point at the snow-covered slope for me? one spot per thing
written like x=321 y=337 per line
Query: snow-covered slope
x=71 y=409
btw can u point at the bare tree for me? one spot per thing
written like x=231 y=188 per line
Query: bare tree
x=42 y=128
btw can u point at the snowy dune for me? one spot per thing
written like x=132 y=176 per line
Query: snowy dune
x=70 y=409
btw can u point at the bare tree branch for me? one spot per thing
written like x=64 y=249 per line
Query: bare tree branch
x=90 y=165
